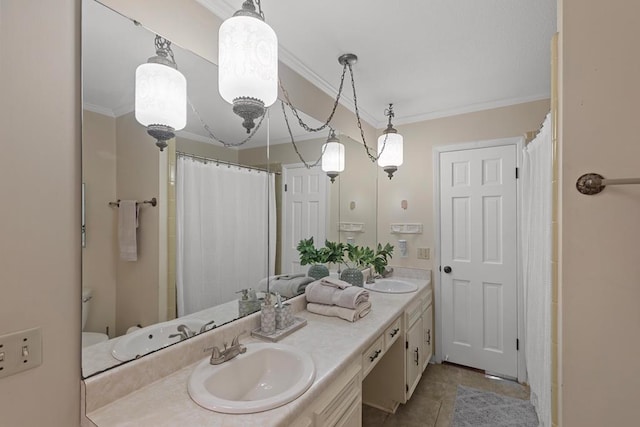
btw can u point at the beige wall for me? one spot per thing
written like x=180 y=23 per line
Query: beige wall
x=600 y=268
x=138 y=179
x=414 y=179
x=40 y=193
x=99 y=257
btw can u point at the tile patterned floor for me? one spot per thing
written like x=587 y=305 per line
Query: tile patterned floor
x=432 y=402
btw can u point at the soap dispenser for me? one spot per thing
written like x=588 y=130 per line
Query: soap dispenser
x=268 y=316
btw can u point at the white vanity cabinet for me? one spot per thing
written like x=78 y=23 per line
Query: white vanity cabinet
x=395 y=376
x=340 y=405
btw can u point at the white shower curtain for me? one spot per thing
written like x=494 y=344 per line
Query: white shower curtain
x=225 y=221
x=536 y=263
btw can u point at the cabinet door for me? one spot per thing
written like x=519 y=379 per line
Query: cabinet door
x=414 y=355
x=353 y=416
x=427 y=333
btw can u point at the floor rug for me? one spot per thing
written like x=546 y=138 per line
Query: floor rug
x=478 y=408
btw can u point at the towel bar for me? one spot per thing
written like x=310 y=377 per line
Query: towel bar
x=593 y=183
x=153 y=202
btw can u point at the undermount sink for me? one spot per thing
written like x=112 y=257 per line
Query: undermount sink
x=391 y=286
x=151 y=338
x=264 y=377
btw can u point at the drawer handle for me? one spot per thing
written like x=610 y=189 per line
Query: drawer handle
x=394 y=332
x=428 y=336
x=375 y=355
x=417 y=351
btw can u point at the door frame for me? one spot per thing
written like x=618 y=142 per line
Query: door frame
x=284 y=216
x=519 y=143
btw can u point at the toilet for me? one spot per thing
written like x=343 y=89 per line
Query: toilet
x=89 y=338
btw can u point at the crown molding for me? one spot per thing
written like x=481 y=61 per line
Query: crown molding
x=405 y=120
x=98 y=109
x=123 y=109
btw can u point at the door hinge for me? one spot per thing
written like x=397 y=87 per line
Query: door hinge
x=406 y=345
x=517 y=344
x=285 y=187
x=517 y=173
x=406 y=387
x=439 y=268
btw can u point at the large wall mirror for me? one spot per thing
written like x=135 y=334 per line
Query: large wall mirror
x=222 y=220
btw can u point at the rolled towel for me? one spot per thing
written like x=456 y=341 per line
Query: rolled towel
x=348 y=314
x=349 y=297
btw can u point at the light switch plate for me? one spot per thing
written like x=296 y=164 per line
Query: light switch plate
x=22 y=350
x=424 y=253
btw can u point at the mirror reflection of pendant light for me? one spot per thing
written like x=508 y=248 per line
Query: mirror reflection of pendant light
x=332 y=156
x=248 y=63
x=390 y=147
x=161 y=95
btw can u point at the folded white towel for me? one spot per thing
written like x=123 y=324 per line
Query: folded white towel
x=336 y=283
x=348 y=314
x=349 y=297
x=127 y=225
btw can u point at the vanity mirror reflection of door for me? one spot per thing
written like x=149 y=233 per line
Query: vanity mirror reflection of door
x=301 y=192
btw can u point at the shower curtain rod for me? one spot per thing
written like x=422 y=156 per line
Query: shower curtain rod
x=593 y=183
x=223 y=162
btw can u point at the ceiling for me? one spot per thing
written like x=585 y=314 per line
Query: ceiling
x=431 y=58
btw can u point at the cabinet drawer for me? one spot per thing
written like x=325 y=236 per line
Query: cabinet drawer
x=392 y=333
x=372 y=355
x=413 y=313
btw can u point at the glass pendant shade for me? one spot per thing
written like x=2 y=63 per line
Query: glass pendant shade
x=247 y=60
x=160 y=96
x=391 y=155
x=333 y=157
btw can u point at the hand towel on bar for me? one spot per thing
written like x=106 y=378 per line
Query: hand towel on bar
x=348 y=314
x=287 y=285
x=349 y=297
x=127 y=225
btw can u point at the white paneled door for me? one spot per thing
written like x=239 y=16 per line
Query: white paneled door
x=304 y=205
x=478 y=258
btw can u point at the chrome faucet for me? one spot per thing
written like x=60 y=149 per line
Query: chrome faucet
x=220 y=356
x=372 y=277
x=204 y=327
x=183 y=332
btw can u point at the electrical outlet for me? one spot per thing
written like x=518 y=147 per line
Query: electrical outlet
x=424 y=253
x=20 y=351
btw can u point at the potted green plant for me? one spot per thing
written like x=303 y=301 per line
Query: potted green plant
x=381 y=258
x=359 y=258
x=362 y=257
x=332 y=252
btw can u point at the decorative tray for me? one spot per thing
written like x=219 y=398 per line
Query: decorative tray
x=298 y=322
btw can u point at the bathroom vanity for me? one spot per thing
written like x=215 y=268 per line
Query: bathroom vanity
x=377 y=360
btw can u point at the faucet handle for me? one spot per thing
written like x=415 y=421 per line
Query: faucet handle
x=204 y=327
x=235 y=340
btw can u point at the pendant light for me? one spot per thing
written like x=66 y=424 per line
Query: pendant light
x=332 y=156
x=248 y=63
x=161 y=95
x=390 y=147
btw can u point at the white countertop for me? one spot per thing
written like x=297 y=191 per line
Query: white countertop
x=333 y=343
